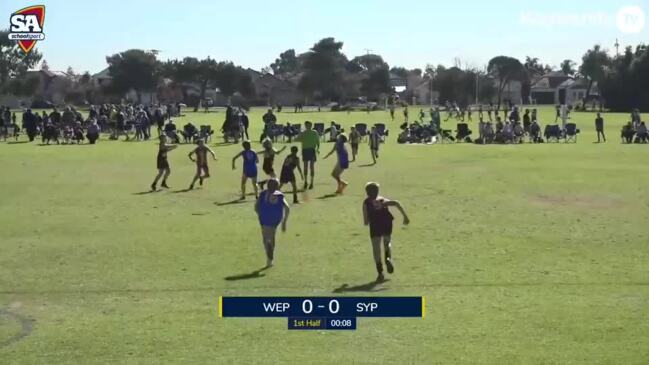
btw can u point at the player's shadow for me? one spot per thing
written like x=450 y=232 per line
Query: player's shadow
x=181 y=191
x=367 y=165
x=327 y=196
x=372 y=286
x=231 y=202
x=147 y=192
x=252 y=275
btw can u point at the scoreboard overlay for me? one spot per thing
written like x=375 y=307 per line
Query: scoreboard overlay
x=321 y=313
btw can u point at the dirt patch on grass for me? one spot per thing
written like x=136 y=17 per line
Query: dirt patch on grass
x=26 y=326
x=578 y=201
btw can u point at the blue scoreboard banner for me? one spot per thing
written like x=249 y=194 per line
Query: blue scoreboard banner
x=323 y=313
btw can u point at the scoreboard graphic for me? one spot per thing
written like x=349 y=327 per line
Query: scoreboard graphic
x=322 y=313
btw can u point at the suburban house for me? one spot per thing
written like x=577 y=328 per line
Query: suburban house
x=546 y=89
x=275 y=90
x=422 y=92
x=512 y=93
x=398 y=83
x=51 y=87
x=102 y=79
x=573 y=92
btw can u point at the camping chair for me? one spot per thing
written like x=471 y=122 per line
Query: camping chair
x=463 y=132
x=361 y=128
x=446 y=136
x=381 y=130
x=552 y=133
x=206 y=132
x=189 y=133
x=627 y=134
x=320 y=128
x=571 y=133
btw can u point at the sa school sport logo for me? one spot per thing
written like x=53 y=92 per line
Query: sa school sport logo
x=27 y=26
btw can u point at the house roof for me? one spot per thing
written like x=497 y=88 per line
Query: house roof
x=551 y=80
x=47 y=73
x=103 y=74
x=581 y=84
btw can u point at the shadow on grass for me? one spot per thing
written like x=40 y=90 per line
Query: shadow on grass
x=147 y=192
x=367 y=165
x=17 y=142
x=181 y=191
x=368 y=287
x=327 y=196
x=232 y=202
x=252 y=275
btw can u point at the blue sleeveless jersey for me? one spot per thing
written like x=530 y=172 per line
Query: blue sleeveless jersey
x=271 y=213
x=343 y=157
x=249 y=163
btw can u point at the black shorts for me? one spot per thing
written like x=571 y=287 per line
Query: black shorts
x=268 y=167
x=380 y=230
x=162 y=163
x=287 y=176
x=308 y=154
x=355 y=146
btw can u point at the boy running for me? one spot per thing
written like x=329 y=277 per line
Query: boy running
x=201 y=162
x=379 y=218
x=354 y=138
x=342 y=164
x=375 y=141
x=250 y=161
x=272 y=209
x=269 y=158
x=288 y=172
x=310 y=147
x=162 y=163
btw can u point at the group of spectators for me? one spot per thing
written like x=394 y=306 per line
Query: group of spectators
x=635 y=131
x=69 y=125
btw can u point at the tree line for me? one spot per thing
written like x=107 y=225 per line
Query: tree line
x=324 y=73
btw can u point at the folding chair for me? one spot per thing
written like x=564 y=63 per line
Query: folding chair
x=463 y=132
x=320 y=128
x=206 y=132
x=571 y=133
x=552 y=133
x=381 y=130
x=361 y=128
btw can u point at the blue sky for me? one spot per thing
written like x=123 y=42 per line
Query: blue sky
x=252 y=33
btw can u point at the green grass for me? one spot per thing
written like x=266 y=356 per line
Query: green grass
x=526 y=254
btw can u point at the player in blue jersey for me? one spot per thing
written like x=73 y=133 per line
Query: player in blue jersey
x=250 y=161
x=272 y=209
x=342 y=164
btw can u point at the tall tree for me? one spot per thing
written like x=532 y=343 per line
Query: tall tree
x=191 y=70
x=231 y=79
x=13 y=61
x=399 y=71
x=286 y=63
x=134 y=69
x=568 y=67
x=367 y=62
x=593 y=66
x=324 y=70
x=376 y=83
x=506 y=69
